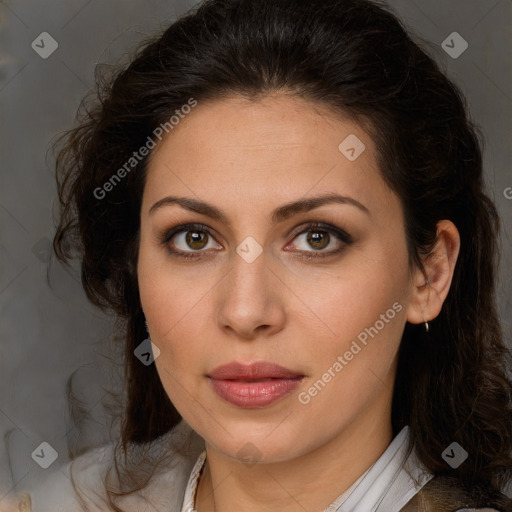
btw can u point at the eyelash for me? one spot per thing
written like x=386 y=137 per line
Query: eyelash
x=321 y=227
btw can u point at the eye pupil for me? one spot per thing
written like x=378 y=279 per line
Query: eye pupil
x=315 y=239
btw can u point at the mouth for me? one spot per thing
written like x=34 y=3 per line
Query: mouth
x=258 y=371
x=254 y=385
x=253 y=380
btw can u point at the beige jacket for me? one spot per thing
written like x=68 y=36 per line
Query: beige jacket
x=444 y=494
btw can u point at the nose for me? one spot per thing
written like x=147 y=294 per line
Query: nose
x=250 y=300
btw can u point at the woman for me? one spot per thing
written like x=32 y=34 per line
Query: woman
x=284 y=202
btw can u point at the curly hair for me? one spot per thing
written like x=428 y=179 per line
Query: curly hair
x=358 y=58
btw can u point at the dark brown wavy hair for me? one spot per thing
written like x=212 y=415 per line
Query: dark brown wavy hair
x=356 y=57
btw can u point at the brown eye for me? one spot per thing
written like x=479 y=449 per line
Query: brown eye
x=321 y=240
x=318 y=239
x=196 y=239
x=189 y=241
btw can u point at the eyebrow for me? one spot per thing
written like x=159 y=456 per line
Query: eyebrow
x=278 y=215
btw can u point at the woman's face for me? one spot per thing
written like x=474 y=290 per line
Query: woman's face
x=258 y=282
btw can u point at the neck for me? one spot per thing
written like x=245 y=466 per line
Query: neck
x=309 y=482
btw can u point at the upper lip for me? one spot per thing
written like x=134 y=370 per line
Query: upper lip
x=252 y=371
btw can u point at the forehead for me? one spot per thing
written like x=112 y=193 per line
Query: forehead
x=280 y=147
x=277 y=125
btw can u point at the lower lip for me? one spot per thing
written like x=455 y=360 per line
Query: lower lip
x=254 y=394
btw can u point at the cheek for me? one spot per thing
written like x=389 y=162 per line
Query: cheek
x=170 y=294
x=365 y=325
x=175 y=308
x=178 y=314
x=158 y=295
x=352 y=367
x=354 y=296
x=363 y=311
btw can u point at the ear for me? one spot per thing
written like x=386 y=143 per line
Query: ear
x=431 y=285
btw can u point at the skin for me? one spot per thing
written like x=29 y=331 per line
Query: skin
x=247 y=158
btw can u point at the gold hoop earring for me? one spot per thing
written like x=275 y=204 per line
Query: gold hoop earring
x=426 y=326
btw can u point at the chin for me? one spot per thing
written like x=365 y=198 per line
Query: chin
x=259 y=445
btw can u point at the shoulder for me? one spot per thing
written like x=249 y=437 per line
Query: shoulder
x=446 y=494
x=53 y=490
x=82 y=483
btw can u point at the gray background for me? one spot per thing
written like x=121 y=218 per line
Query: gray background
x=47 y=333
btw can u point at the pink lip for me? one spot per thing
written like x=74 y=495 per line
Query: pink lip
x=254 y=385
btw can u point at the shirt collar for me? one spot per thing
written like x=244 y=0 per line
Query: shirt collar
x=388 y=484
